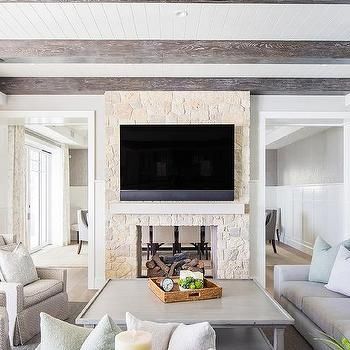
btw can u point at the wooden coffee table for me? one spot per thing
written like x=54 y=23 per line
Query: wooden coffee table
x=238 y=317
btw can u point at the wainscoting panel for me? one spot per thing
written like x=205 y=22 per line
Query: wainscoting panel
x=308 y=211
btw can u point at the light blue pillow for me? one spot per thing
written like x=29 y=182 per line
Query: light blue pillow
x=323 y=258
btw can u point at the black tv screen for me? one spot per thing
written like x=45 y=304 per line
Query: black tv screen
x=176 y=162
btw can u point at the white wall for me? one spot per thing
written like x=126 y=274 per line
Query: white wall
x=313 y=160
x=78 y=200
x=308 y=211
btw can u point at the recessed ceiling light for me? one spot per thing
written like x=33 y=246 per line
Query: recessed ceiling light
x=181 y=13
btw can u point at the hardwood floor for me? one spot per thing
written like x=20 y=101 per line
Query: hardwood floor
x=286 y=255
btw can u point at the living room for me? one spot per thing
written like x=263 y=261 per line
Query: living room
x=177 y=99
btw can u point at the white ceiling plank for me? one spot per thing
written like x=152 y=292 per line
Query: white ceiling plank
x=10 y=22
x=50 y=19
x=62 y=20
x=153 y=19
x=167 y=17
x=113 y=19
x=73 y=17
x=206 y=22
x=179 y=23
x=101 y=20
x=127 y=20
x=22 y=21
x=140 y=19
x=85 y=14
x=38 y=22
x=219 y=16
x=192 y=21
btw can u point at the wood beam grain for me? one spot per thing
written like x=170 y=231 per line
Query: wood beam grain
x=175 y=51
x=98 y=86
x=281 y=2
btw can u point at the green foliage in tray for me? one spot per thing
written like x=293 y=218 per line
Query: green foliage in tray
x=191 y=283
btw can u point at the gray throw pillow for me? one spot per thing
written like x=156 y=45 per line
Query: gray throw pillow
x=323 y=258
x=60 y=335
x=17 y=265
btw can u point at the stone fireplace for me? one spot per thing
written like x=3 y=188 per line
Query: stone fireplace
x=229 y=221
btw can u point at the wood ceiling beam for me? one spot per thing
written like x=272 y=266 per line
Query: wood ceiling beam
x=98 y=86
x=175 y=51
x=280 y=2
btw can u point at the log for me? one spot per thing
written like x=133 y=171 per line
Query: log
x=156 y=258
x=151 y=264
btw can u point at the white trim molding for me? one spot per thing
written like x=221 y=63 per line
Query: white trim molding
x=3 y=99
x=347 y=100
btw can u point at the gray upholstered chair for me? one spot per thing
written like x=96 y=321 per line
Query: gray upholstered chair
x=24 y=303
x=83 y=228
x=4 y=324
x=270 y=227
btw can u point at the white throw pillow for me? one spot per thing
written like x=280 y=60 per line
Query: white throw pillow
x=17 y=266
x=60 y=335
x=199 y=336
x=103 y=336
x=339 y=280
x=161 y=332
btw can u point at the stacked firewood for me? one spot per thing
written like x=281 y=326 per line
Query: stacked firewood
x=161 y=266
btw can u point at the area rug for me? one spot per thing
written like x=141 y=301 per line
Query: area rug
x=74 y=310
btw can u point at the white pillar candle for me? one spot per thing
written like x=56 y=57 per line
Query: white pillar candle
x=133 y=340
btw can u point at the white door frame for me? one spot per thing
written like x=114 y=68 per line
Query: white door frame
x=317 y=116
x=61 y=117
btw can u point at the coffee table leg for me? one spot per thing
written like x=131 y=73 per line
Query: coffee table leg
x=278 y=339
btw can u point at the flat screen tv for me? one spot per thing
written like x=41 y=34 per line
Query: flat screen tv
x=177 y=162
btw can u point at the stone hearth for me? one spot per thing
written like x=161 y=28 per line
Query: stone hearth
x=231 y=230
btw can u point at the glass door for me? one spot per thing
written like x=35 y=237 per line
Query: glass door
x=38 y=195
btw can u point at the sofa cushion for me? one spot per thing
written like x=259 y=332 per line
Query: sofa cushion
x=297 y=291
x=342 y=329
x=326 y=311
x=41 y=290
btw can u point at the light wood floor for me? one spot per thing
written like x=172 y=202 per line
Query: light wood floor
x=286 y=255
x=77 y=285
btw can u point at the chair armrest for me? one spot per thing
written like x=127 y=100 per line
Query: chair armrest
x=14 y=303
x=53 y=274
x=284 y=273
x=2 y=299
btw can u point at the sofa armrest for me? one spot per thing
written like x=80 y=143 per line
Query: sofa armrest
x=53 y=274
x=284 y=273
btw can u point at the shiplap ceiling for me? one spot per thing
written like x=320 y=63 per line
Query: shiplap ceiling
x=174 y=70
x=159 y=21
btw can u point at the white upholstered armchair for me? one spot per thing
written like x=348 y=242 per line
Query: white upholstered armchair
x=24 y=303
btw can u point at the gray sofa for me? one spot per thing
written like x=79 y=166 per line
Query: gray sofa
x=314 y=307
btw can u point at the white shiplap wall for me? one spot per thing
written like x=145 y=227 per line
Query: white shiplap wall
x=159 y=21
x=308 y=211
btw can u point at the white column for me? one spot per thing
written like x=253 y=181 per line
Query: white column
x=3 y=178
x=3 y=99
x=347 y=180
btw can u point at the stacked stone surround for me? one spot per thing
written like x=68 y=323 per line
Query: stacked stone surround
x=231 y=231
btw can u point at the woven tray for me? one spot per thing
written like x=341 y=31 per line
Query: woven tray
x=210 y=291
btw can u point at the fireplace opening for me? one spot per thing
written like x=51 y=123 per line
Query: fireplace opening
x=165 y=250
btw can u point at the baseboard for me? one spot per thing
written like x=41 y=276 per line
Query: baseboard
x=297 y=245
